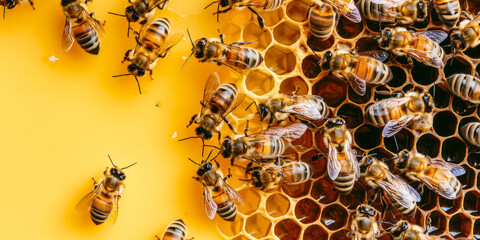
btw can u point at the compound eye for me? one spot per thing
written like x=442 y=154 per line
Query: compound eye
x=121 y=176
x=141 y=72
x=113 y=171
x=328 y=54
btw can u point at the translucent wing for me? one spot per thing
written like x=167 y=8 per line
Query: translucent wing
x=359 y=85
x=114 y=215
x=333 y=165
x=354 y=14
x=94 y=23
x=429 y=58
x=86 y=202
x=395 y=125
x=158 y=3
x=400 y=191
x=306 y=109
x=347 y=9
x=455 y=169
x=172 y=40
x=388 y=3
x=67 y=37
x=442 y=188
x=384 y=106
x=289 y=133
x=210 y=205
x=436 y=35
x=377 y=55
x=238 y=100
x=211 y=86
x=232 y=193
x=352 y=158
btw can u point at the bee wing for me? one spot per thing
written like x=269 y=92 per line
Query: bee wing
x=305 y=109
x=405 y=191
x=395 y=125
x=97 y=25
x=333 y=165
x=289 y=133
x=158 y=3
x=210 y=205
x=441 y=187
x=358 y=84
x=455 y=169
x=377 y=55
x=389 y=3
x=352 y=158
x=67 y=37
x=238 y=100
x=172 y=40
x=114 y=215
x=436 y=35
x=231 y=192
x=384 y=106
x=86 y=202
x=347 y=9
x=429 y=58
x=211 y=86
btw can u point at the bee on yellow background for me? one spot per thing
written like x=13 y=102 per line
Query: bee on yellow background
x=9 y=4
x=466 y=33
x=403 y=230
x=393 y=12
x=176 y=230
x=102 y=201
x=364 y=223
x=80 y=25
x=422 y=46
x=395 y=113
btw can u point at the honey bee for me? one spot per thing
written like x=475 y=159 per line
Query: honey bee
x=395 y=113
x=9 y=4
x=422 y=46
x=364 y=224
x=342 y=164
x=218 y=196
x=269 y=176
x=356 y=69
x=470 y=133
x=465 y=86
x=437 y=175
x=176 y=230
x=448 y=11
x=153 y=41
x=466 y=34
x=218 y=101
x=403 y=230
x=377 y=176
x=392 y=12
x=80 y=25
x=102 y=201
x=233 y=55
x=263 y=146
x=305 y=108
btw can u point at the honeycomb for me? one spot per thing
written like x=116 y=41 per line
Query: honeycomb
x=314 y=209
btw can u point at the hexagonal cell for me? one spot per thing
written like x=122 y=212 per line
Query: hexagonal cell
x=306 y=140
x=332 y=90
x=280 y=60
x=445 y=123
x=334 y=217
x=340 y=235
x=418 y=219
x=471 y=203
x=271 y=17
x=310 y=66
x=348 y=29
x=403 y=139
x=319 y=166
x=460 y=225
x=277 y=205
x=286 y=33
x=352 y=95
x=457 y=65
x=231 y=229
x=287 y=229
x=291 y=84
x=354 y=198
x=368 y=136
x=318 y=45
x=253 y=33
x=315 y=232
x=323 y=191
x=423 y=74
x=453 y=150
x=461 y=107
x=352 y=114
x=476 y=229
x=438 y=223
x=231 y=32
x=367 y=44
x=468 y=179
x=297 y=190
x=473 y=52
x=259 y=82
x=241 y=237
x=473 y=159
x=428 y=144
x=307 y=211
x=297 y=10
x=449 y=206
x=428 y=201
x=441 y=97
x=250 y=206
x=257 y=226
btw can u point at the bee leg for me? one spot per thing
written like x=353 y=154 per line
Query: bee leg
x=259 y=18
x=308 y=12
x=196 y=178
x=421 y=188
x=351 y=234
x=270 y=121
x=162 y=5
x=94 y=182
x=228 y=176
x=291 y=120
x=373 y=197
x=4 y=6
x=410 y=61
x=157 y=237
x=151 y=73
x=246 y=128
x=318 y=156
x=428 y=224
x=232 y=161
x=219 y=137
x=221 y=36
x=127 y=55
x=192 y=120
x=249 y=165
x=31 y=4
x=144 y=21
x=229 y=124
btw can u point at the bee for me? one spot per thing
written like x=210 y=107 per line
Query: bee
x=218 y=196
x=305 y=108
x=466 y=34
x=364 y=224
x=264 y=146
x=102 y=201
x=233 y=55
x=470 y=133
x=465 y=86
x=271 y=175
x=437 y=175
x=403 y=230
x=391 y=12
x=356 y=69
x=377 y=176
x=218 y=101
x=342 y=164
x=9 y=4
x=322 y=16
x=448 y=11
x=422 y=46
x=153 y=41
x=395 y=113
x=176 y=230
x=80 y=25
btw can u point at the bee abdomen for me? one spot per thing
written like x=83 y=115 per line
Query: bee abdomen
x=100 y=210
x=243 y=57
x=227 y=211
x=407 y=212
x=272 y=4
x=466 y=87
x=302 y=171
x=322 y=21
x=373 y=71
x=456 y=185
x=448 y=10
x=224 y=97
x=87 y=37
x=156 y=33
x=377 y=119
x=344 y=182
x=471 y=133
x=176 y=230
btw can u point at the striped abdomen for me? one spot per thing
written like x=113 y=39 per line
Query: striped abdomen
x=383 y=116
x=448 y=10
x=471 y=133
x=102 y=207
x=426 y=44
x=271 y=4
x=372 y=70
x=241 y=57
x=175 y=231
x=223 y=98
x=296 y=172
x=444 y=175
x=322 y=20
x=86 y=36
x=407 y=212
x=226 y=206
x=465 y=86
x=155 y=34
x=456 y=185
x=346 y=178
x=269 y=148
x=376 y=12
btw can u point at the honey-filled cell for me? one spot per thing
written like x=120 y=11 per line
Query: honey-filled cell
x=315 y=232
x=297 y=10
x=348 y=29
x=332 y=90
x=241 y=237
x=277 y=205
x=292 y=84
x=257 y=225
x=297 y=190
x=324 y=191
x=310 y=66
x=319 y=165
x=231 y=229
x=334 y=217
x=305 y=141
x=460 y=226
x=352 y=114
x=286 y=33
x=307 y=211
x=256 y=37
x=340 y=235
x=358 y=99
x=287 y=229
x=240 y=16
x=354 y=198
x=250 y=206
x=280 y=60
x=272 y=17
x=259 y=82
x=318 y=45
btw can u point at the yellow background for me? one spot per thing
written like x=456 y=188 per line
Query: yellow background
x=59 y=120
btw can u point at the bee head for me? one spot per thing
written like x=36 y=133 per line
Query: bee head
x=365 y=163
x=402 y=159
x=327 y=57
x=199 y=48
x=256 y=180
x=226 y=148
x=399 y=228
x=135 y=70
x=223 y=3
x=334 y=122
x=239 y=148
x=63 y=3
x=263 y=111
x=422 y=9
x=117 y=173
x=428 y=101
x=204 y=168
x=457 y=40
x=364 y=209
x=132 y=16
x=203 y=133
x=384 y=38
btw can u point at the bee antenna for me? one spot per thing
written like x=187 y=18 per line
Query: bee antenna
x=128 y=30
x=4 y=6
x=116 y=14
x=212 y=146
x=392 y=224
x=210 y=5
x=121 y=75
x=193 y=162
x=111 y=160
x=183 y=139
x=210 y=153
x=203 y=146
x=245 y=180
x=128 y=166
x=186 y=60
x=389 y=159
x=138 y=84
